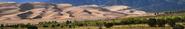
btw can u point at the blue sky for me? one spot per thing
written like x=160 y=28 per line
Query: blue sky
x=23 y=1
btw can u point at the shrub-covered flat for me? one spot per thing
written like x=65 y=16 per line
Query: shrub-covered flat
x=166 y=21
x=133 y=26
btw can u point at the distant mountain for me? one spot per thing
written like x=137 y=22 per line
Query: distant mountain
x=146 y=5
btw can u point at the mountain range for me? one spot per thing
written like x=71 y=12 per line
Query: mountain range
x=145 y=5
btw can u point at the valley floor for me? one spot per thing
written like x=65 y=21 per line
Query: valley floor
x=133 y=26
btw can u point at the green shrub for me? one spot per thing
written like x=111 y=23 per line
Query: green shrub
x=108 y=25
x=2 y=25
x=152 y=22
x=32 y=27
x=161 y=22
